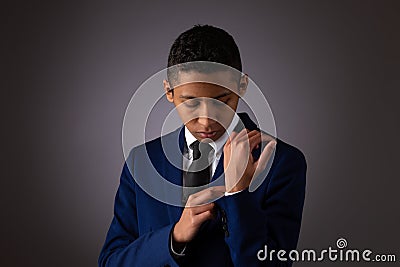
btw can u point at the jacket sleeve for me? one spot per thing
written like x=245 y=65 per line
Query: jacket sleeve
x=272 y=220
x=123 y=245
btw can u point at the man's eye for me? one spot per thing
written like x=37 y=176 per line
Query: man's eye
x=191 y=103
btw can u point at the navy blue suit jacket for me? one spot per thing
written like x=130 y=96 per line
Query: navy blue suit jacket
x=139 y=234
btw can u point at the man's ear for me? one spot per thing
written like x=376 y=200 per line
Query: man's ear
x=244 y=81
x=168 y=92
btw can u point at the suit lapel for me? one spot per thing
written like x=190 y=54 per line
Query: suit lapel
x=173 y=151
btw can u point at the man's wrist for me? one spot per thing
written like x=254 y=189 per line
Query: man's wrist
x=177 y=248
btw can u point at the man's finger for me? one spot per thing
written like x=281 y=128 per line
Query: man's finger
x=202 y=208
x=242 y=133
x=244 y=138
x=201 y=217
x=230 y=138
x=262 y=161
x=205 y=196
x=254 y=140
x=266 y=137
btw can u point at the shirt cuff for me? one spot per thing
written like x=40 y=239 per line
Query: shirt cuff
x=177 y=254
x=232 y=193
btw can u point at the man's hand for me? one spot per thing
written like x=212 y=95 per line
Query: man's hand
x=239 y=164
x=195 y=213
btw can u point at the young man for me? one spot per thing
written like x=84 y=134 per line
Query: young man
x=224 y=225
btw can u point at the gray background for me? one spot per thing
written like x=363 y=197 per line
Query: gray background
x=330 y=70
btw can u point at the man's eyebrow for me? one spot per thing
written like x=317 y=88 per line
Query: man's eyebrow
x=216 y=97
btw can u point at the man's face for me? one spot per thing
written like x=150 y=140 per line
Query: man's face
x=205 y=108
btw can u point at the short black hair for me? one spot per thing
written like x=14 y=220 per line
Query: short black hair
x=205 y=43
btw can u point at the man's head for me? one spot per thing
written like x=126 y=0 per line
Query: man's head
x=206 y=108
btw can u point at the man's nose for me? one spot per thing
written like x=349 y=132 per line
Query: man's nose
x=206 y=114
x=206 y=122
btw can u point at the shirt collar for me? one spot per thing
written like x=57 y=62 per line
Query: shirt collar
x=219 y=143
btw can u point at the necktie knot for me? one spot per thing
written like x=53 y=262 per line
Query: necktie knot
x=201 y=149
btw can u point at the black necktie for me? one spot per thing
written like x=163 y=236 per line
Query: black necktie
x=199 y=172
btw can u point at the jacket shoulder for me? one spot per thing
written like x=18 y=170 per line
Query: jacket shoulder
x=288 y=152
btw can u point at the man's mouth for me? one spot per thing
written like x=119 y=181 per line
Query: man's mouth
x=206 y=134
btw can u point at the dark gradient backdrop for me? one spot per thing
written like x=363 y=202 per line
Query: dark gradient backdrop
x=330 y=70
